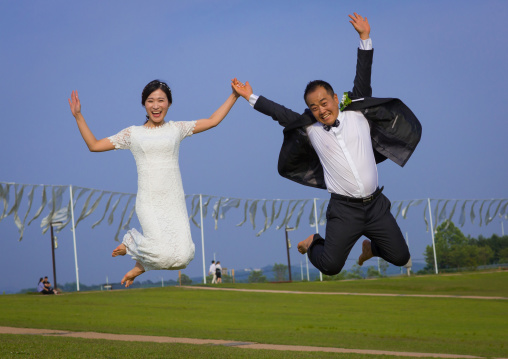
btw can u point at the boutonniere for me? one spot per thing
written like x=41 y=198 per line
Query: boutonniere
x=344 y=102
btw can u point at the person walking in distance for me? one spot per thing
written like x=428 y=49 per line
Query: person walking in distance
x=218 y=272
x=211 y=271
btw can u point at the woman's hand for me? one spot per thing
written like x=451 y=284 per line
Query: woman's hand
x=235 y=93
x=244 y=90
x=90 y=140
x=217 y=117
x=75 y=104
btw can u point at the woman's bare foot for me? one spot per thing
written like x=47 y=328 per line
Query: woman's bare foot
x=121 y=250
x=366 y=252
x=304 y=245
x=128 y=279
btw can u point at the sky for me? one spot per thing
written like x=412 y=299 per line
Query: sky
x=445 y=59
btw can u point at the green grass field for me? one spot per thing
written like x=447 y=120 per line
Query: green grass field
x=431 y=325
x=25 y=346
x=452 y=284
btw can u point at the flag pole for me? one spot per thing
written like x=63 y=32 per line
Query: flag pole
x=433 y=242
x=74 y=239
x=317 y=231
x=202 y=236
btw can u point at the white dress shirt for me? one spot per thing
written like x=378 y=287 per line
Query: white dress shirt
x=345 y=152
x=211 y=270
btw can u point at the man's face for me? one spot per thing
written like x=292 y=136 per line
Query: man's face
x=324 y=107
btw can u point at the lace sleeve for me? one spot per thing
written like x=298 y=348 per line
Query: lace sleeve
x=122 y=140
x=185 y=128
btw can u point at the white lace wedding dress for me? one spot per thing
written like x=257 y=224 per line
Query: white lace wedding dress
x=166 y=241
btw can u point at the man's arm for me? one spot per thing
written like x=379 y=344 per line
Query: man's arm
x=284 y=116
x=362 y=82
x=290 y=119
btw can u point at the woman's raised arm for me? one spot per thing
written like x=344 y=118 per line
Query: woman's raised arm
x=217 y=116
x=93 y=144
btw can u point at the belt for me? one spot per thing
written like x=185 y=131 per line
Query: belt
x=358 y=199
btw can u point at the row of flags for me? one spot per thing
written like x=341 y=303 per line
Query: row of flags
x=55 y=202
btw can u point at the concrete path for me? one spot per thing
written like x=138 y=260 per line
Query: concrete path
x=228 y=343
x=344 y=293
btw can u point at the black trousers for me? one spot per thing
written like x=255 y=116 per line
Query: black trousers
x=347 y=222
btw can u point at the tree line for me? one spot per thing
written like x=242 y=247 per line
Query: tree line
x=455 y=251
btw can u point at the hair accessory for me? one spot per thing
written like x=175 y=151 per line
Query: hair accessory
x=165 y=85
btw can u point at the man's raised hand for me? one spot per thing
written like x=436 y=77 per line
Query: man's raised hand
x=361 y=25
x=241 y=89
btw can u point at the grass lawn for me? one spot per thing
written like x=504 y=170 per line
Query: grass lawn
x=24 y=346
x=440 y=325
x=482 y=283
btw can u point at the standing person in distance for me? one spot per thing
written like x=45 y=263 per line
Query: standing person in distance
x=211 y=271
x=218 y=272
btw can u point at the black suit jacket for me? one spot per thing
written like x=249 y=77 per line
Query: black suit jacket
x=395 y=131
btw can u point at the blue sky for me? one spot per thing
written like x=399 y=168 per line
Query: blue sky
x=447 y=60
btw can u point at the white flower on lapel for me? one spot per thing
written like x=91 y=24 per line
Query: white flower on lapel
x=344 y=102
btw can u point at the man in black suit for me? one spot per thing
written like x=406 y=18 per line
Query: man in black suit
x=336 y=144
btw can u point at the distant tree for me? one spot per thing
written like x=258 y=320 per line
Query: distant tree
x=383 y=266
x=71 y=287
x=256 y=276
x=279 y=272
x=185 y=279
x=447 y=238
x=485 y=255
x=453 y=250
x=495 y=242
x=341 y=276
x=503 y=255
x=227 y=278
x=145 y=284
x=355 y=272
x=372 y=272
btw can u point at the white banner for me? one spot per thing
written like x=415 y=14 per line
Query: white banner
x=50 y=198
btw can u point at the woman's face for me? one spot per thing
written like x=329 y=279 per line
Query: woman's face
x=157 y=105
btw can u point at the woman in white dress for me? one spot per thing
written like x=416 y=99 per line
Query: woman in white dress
x=166 y=241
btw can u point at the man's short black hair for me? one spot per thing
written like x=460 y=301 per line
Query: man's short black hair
x=313 y=85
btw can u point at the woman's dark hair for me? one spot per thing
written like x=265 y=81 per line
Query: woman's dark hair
x=153 y=86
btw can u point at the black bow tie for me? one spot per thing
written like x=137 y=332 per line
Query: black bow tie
x=336 y=124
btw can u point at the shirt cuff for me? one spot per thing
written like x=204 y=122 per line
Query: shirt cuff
x=366 y=44
x=253 y=99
